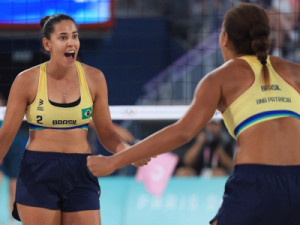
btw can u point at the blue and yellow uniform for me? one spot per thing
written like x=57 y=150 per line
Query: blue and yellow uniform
x=261 y=103
x=256 y=193
x=53 y=180
x=42 y=113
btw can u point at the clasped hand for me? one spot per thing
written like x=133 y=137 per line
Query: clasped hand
x=101 y=166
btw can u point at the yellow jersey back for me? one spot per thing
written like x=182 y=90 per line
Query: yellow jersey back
x=260 y=102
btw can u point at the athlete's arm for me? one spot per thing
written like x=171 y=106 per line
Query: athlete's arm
x=206 y=100
x=101 y=115
x=15 y=111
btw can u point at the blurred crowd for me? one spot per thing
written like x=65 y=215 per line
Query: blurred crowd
x=209 y=154
x=200 y=17
x=284 y=21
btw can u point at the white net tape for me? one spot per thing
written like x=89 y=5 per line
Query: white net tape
x=134 y=112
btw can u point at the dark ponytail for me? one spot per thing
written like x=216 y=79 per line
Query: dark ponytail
x=247 y=26
x=260 y=45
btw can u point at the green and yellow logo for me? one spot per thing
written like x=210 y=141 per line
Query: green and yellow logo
x=86 y=113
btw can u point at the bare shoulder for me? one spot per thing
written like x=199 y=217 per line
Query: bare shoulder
x=283 y=64
x=28 y=78
x=26 y=84
x=234 y=74
x=92 y=74
x=230 y=71
x=288 y=70
x=233 y=78
x=95 y=79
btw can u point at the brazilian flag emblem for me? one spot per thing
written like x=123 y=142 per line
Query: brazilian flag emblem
x=86 y=113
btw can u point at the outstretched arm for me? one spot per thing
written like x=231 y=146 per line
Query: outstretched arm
x=106 y=130
x=191 y=154
x=205 y=102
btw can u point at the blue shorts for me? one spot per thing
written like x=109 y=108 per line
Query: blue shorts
x=260 y=195
x=57 y=181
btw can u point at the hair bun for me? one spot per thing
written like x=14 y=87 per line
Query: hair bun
x=43 y=21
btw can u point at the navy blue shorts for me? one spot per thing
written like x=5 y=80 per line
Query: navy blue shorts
x=261 y=195
x=57 y=181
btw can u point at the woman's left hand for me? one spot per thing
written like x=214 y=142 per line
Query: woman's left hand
x=100 y=165
x=141 y=162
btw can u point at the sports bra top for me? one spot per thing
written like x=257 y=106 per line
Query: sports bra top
x=42 y=113
x=260 y=102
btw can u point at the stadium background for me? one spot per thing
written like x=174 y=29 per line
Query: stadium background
x=153 y=53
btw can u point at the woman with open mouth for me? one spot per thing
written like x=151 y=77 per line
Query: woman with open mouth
x=59 y=98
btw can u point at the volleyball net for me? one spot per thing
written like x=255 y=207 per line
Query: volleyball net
x=135 y=112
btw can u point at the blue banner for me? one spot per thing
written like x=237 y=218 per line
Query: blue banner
x=31 y=11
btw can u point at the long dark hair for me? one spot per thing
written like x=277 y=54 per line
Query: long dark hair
x=47 y=23
x=247 y=26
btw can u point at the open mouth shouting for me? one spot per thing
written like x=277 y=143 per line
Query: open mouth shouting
x=70 y=55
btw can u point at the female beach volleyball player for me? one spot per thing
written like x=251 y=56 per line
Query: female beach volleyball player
x=59 y=98
x=259 y=97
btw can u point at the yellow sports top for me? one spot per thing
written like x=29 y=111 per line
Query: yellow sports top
x=261 y=103
x=43 y=114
